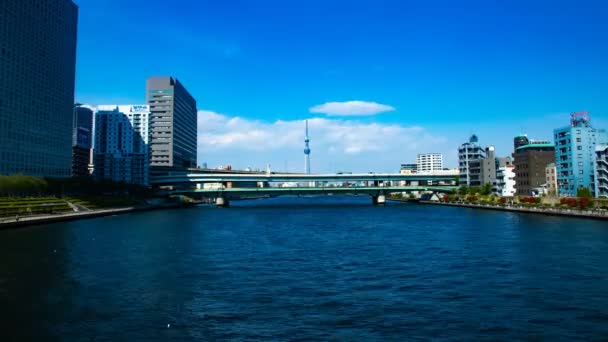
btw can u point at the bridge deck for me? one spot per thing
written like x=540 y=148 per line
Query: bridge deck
x=277 y=191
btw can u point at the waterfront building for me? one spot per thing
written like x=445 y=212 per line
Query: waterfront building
x=530 y=161
x=37 y=69
x=82 y=140
x=407 y=169
x=121 y=143
x=470 y=157
x=575 y=154
x=601 y=171
x=489 y=166
x=505 y=181
x=427 y=162
x=551 y=180
x=173 y=123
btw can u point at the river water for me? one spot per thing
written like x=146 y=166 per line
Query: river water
x=320 y=268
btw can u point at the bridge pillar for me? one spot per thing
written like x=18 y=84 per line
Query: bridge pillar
x=379 y=200
x=222 y=202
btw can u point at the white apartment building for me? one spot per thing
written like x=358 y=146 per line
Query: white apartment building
x=505 y=181
x=427 y=162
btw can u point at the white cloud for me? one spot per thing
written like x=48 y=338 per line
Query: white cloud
x=336 y=144
x=351 y=108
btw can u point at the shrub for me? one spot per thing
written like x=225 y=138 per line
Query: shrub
x=583 y=202
x=571 y=202
x=502 y=200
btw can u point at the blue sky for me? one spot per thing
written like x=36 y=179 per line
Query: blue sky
x=446 y=69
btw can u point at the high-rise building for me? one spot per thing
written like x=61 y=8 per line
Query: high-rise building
x=37 y=69
x=551 y=179
x=575 y=154
x=601 y=171
x=530 y=162
x=82 y=140
x=470 y=156
x=173 y=123
x=121 y=143
x=428 y=162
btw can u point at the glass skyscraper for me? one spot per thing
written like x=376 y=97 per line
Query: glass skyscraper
x=37 y=69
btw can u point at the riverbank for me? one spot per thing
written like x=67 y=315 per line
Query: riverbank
x=25 y=221
x=597 y=214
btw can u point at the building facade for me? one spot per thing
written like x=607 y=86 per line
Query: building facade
x=37 y=70
x=407 y=169
x=428 y=162
x=551 y=180
x=470 y=157
x=82 y=140
x=575 y=154
x=505 y=181
x=489 y=167
x=121 y=143
x=601 y=171
x=530 y=163
x=173 y=123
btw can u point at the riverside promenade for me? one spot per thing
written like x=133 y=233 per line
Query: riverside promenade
x=24 y=221
x=598 y=214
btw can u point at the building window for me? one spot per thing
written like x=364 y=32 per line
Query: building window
x=578 y=139
x=580 y=148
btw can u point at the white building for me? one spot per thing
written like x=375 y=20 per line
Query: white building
x=601 y=171
x=121 y=149
x=505 y=181
x=429 y=162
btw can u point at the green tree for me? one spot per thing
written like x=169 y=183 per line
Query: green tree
x=486 y=189
x=583 y=192
x=463 y=190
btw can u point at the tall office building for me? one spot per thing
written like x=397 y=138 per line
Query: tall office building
x=82 y=140
x=429 y=162
x=530 y=162
x=37 y=69
x=173 y=123
x=575 y=154
x=121 y=143
x=470 y=157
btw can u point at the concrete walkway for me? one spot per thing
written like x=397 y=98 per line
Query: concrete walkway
x=21 y=221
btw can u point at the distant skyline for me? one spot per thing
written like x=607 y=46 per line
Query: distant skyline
x=379 y=81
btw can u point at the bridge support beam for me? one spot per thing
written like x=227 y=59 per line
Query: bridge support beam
x=379 y=200
x=222 y=202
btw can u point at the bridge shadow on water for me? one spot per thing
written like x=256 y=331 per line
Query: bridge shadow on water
x=310 y=202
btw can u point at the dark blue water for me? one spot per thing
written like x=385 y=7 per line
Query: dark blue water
x=328 y=268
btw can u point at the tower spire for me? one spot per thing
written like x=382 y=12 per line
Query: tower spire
x=306 y=151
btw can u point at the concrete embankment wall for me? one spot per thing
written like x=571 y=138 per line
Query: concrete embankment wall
x=598 y=214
